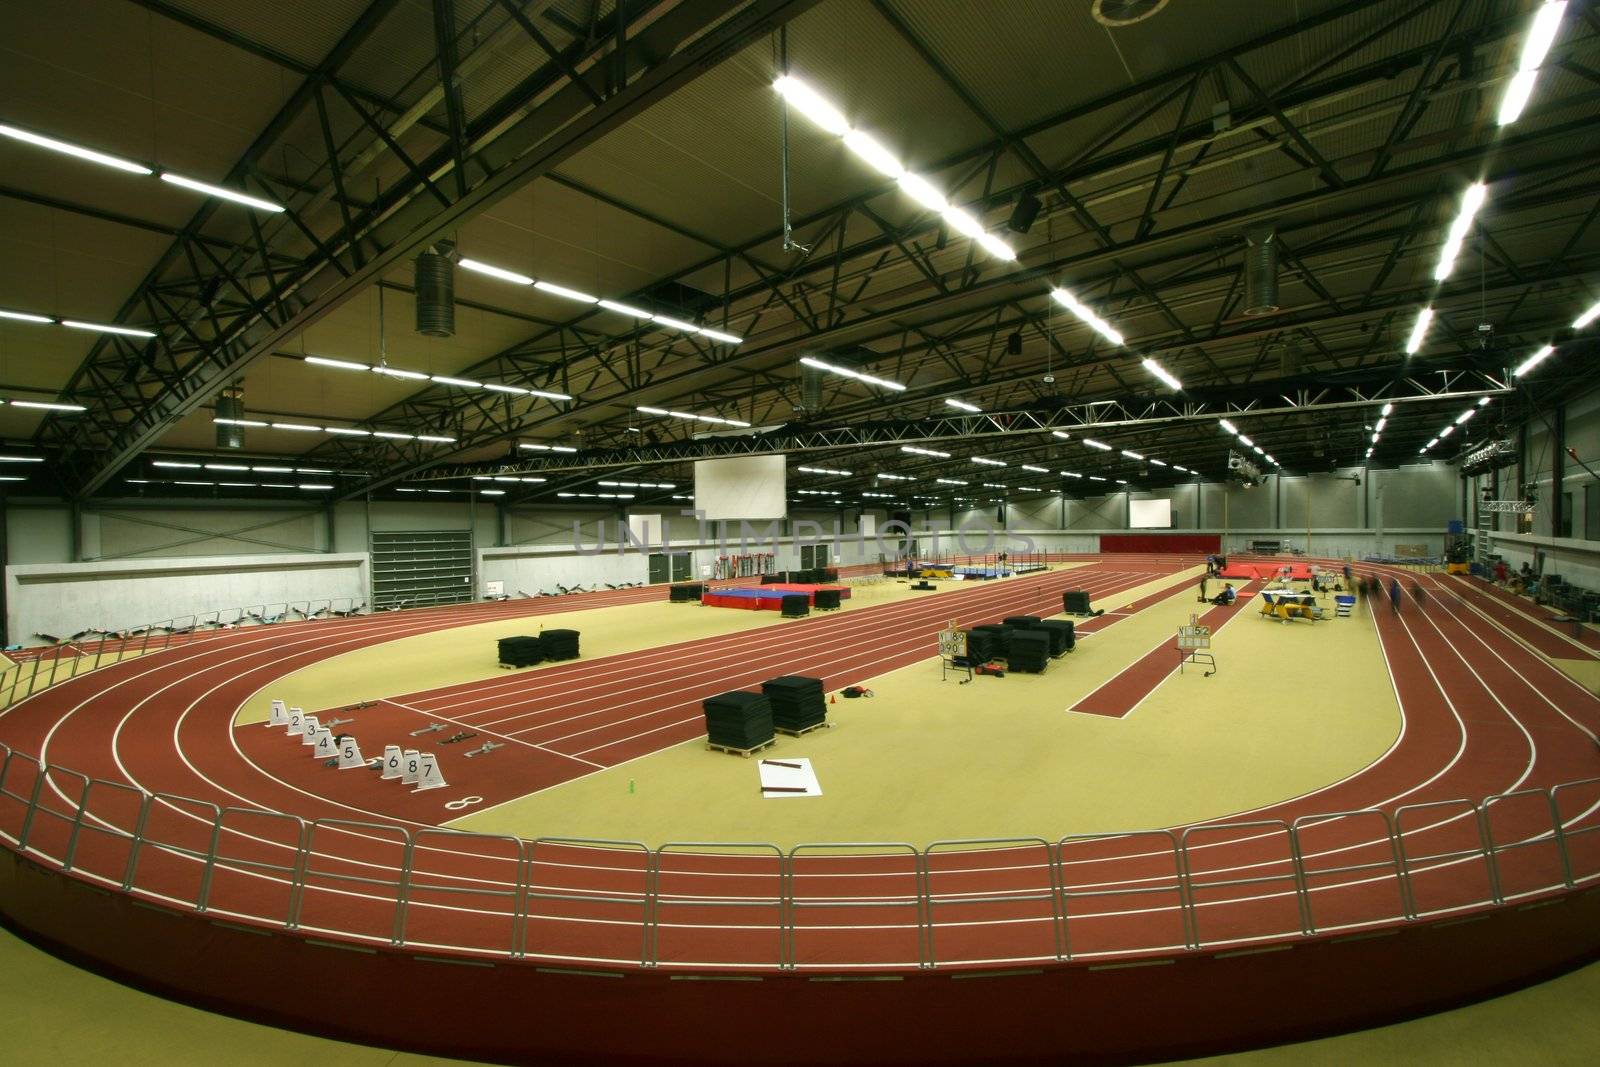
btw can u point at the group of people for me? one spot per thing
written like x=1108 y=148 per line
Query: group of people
x=1518 y=582
x=1228 y=595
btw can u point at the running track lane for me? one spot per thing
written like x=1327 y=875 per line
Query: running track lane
x=740 y=881
x=1126 y=690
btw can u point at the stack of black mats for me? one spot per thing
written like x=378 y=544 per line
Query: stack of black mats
x=1061 y=634
x=521 y=651
x=829 y=574
x=1022 y=622
x=559 y=644
x=738 y=720
x=1029 y=651
x=688 y=592
x=981 y=645
x=797 y=702
x=796 y=606
x=827 y=599
x=999 y=640
x=774 y=579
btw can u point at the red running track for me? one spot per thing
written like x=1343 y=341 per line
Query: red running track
x=1483 y=715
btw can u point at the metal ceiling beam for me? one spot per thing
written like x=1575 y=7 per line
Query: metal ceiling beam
x=513 y=140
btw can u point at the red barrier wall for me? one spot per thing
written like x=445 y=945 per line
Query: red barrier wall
x=1158 y=542
x=1186 y=1004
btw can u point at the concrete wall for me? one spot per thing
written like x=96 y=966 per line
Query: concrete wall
x=62 y=599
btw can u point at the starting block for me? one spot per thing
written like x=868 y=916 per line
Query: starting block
x=350 y=755
x=323 y=747
x=429 y=776
x=280 y=714
x=309 y=735
x=435 y=728
x=488 y=747
x=297 y=722
x=392 y=762
x=456 y=739
x=413 y=767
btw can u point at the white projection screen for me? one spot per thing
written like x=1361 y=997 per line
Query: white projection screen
x=746 y=487
x=1150 y=514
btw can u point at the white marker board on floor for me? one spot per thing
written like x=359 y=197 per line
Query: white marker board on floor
x=779 y=781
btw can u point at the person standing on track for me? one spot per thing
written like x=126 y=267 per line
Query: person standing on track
x=1394 y=595
x=1421 y=597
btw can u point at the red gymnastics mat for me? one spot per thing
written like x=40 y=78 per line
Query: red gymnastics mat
x=765 y=597
x=1266 y=572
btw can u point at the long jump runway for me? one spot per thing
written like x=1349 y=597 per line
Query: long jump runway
x=1483 y=714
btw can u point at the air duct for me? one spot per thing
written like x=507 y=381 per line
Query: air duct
x=1260 y=270
x=230 y=405
x=436 y=291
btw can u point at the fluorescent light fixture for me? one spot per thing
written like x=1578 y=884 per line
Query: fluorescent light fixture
x=563 y=291
x=494 y=272
x=1096 y=478
x=1069 y=474
x=1092 y=443
x=1162 y=373
x=1131 y=455
x=914 y=450
x=1419 y=330
x=174 y=464
x=43 y=405
x=1483 y=401
x=491 y=492
x=923 y=192
x=897 y=477
x=126 y=331
x=963 y=405
x=461 y=383
x=950 y=481
x=239 y=422
x=497 y=387
x=1226 y=425
x=1577 y=324
x=1465 y=415
x=1261 y=451
x=993 y=485
x=315 y=487
x=1527 y=365
x=822 y=470
x=988 y=462
x=219 y=192
x=963 y=222
x=718 y=335
x=1158 y=462
x=857 y=375
x=396 y=372
x=874 y=154
x=1243 y=440
x=692 y=417
x=1431 y=443
x=1185 y=470
x=1061 y=434
x=390 y=435
x=341 y=364
x=21 y=459
x=226 y=467
x=1036 y=470
x=1387 y=408
x=544 y=448
x=1471 y=200
x=1381 y=423
x=436 y=438
x=626 y=309
x=1535 y=46
x=274 y=470
x=23 y=316
x=1084 y=313
x=996 y=247
x=1447 y=431
x=303 y=427
x=548 y=396
x=810 y=103
x=40 y=141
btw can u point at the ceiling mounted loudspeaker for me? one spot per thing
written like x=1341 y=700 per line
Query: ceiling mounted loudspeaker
x=1026 y=210
x=1260 y=270
x=230 y=406
x=1118 y=13
x=1014 y=345
x=436 y=291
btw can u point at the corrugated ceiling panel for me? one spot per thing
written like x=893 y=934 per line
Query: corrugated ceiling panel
x=304 y=30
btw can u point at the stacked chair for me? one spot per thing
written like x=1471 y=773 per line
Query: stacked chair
x=797 y=703
x=738 y=722
x=559 y=644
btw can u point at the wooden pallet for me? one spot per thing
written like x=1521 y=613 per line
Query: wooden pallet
x=745 y=752
x=806 y=730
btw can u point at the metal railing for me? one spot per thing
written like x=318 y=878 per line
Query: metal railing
x=37 y=669
x=827 y=906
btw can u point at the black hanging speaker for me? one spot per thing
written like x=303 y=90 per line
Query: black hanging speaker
x=1023 y=214
x=1014 y=345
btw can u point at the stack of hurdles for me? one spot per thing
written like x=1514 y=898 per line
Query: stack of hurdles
x=739 y=721
x=797 y=703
